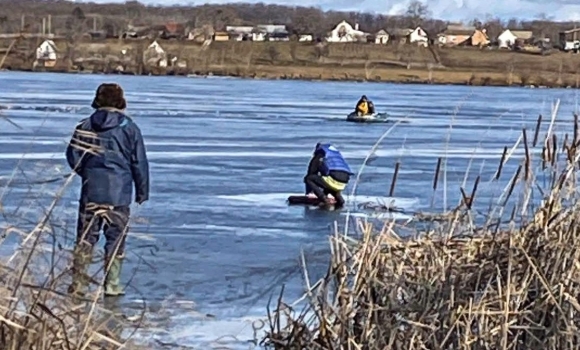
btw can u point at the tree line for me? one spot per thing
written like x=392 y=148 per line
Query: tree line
x=68 y=16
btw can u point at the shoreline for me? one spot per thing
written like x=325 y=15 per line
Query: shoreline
x=345 y=62
x=478 y=82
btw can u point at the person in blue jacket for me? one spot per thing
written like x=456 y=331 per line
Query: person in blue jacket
x=328 y=173
x=108 y=153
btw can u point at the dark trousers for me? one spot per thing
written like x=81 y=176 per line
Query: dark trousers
x=307 y=188
x=113 y=220
x=317 y=185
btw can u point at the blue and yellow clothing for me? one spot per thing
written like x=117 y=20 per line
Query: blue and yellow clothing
x=332 y=162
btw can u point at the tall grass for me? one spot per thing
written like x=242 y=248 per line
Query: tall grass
x=509 y=280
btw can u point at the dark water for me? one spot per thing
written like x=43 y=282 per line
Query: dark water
x=224 y=156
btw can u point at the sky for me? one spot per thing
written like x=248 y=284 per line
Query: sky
x=456 y=10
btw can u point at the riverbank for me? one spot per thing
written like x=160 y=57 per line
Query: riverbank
x=306 y=61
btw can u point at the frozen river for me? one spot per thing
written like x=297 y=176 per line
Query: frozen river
x=224 y=156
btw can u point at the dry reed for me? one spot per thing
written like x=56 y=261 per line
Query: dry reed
x=462 y=283
x=35 y=310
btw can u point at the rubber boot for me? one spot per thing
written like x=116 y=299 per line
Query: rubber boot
x=339 y=201
x=80 y=280
x=112 y=277
x=326 y=204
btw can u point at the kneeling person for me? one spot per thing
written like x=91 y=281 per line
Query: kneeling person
x=331 y=177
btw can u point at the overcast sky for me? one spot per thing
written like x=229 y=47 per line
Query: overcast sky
x=444 y=9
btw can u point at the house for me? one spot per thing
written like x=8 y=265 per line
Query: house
x=258 y=34
x=455 y=35
x=172 y=30
x=400 y=35
x=46 y=53
x=419 y=37
x=510 y=37
x=415 y=36
x=273 y=32
x=272 y=28
x=382 y=37
x=221 y=36
x=344 y=33
x=570 y=40
x=479 y=38
x=261 y=32
x=240 y=33
x=155 y=55
x=305 y=38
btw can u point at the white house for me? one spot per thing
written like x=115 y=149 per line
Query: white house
x=155 y=55
x=569 y=40
x=46 y=51
x=344 y=33
x=506 y=39
x=305 y=37
x=419 y=36
x=240 y=32
x=509 y=37
x=382 y=37
x=259 y=36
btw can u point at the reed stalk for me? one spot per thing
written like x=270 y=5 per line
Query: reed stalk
x=509 y=281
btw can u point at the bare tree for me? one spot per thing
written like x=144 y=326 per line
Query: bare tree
x=513 y=23
x=417 y=12
x=477 y=23
x=75 y=24
x=542 y=25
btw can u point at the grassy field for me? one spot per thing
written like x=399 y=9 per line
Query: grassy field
x=295 y=60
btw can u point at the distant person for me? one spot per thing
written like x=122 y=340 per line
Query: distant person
x=328 y=173
x=371 y=107
x=364 y=106
x=108 y=153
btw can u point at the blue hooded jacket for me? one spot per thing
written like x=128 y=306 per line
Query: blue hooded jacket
x=121 y=163
x=333 y=160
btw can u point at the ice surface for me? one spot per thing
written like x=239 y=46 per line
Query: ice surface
x=225 y=154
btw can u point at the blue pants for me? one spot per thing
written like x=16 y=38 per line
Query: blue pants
x=114 y=223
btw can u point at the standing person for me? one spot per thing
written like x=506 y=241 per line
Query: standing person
x=108 y=153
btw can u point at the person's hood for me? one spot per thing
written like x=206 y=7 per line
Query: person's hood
x=103 y=119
